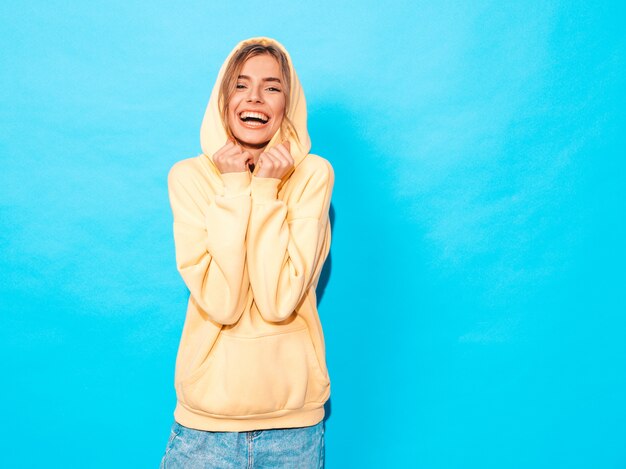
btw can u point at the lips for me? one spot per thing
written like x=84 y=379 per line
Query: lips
x=254 y=118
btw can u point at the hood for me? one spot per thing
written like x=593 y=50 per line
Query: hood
x=213 y=134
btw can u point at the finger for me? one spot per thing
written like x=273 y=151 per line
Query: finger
x=278 y=159
x=269 y=160
x=233 y=151
x=259 y=163
x=286 y=161
x=229 y=143
x=219 y=152
x=285 y=154
x=247 y=158
x=240 y=161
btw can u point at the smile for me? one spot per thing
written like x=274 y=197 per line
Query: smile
x=253 y=119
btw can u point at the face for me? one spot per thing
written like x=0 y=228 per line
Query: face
x=257 y=106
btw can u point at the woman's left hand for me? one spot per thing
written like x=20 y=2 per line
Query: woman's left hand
x=275 y=162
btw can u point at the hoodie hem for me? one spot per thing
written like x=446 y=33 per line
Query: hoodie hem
x=305 y=417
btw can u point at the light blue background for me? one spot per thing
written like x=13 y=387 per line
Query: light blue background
x=474 y=310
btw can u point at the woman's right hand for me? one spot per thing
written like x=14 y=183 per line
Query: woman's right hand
x=231 y=158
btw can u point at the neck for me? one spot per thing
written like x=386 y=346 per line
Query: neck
x=255 y=152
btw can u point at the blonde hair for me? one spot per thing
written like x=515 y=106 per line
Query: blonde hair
x=229 y=82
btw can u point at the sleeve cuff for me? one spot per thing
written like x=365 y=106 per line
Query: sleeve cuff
x=264 y=188
x=236 y=183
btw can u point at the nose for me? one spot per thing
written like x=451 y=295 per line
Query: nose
x=254 y=95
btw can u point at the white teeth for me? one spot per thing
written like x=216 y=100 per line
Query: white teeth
x=257 y=115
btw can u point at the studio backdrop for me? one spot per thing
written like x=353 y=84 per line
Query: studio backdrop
x=473 y=302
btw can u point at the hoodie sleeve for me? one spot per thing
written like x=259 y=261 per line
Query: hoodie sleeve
x=287 y=245
x=209 y=236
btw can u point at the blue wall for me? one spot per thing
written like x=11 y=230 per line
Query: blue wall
x=474 y=304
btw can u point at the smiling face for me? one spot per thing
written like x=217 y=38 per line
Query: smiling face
x=256 y=108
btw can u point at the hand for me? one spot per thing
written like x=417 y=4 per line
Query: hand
x=231 y=158
x=275 y=162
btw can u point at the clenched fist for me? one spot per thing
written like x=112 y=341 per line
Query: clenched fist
x=275 y=162
x=231 y=158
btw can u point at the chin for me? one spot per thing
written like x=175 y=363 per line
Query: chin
x=252 y=137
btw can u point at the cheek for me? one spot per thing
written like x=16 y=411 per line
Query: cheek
x=232 y=105
x=279 y=110
x=230 y=115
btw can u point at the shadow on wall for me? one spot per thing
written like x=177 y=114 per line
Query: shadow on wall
x=321 y=287
x=359 y=213
x=325 y=273
x=377 y=252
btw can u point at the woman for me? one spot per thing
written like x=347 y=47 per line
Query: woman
x=252 y=232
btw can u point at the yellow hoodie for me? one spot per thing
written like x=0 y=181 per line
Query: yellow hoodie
x=250 y=250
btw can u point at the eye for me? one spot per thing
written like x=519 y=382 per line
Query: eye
x=240 y=86
x=274 y=89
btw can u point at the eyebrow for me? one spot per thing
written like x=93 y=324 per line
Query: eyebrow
x=246 y=77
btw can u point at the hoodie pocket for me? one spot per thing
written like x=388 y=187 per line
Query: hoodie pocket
x=246 y=376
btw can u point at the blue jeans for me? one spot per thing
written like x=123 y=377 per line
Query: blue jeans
x=297 y=448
